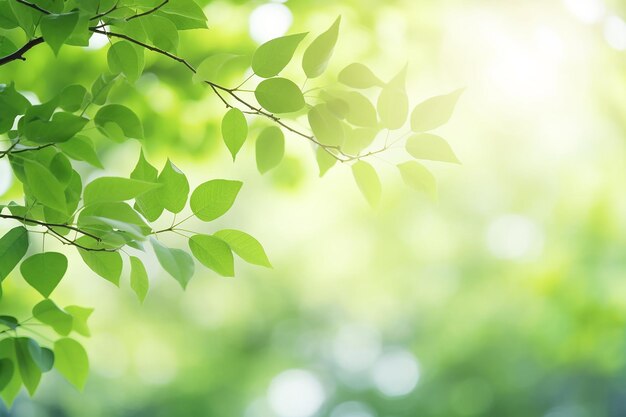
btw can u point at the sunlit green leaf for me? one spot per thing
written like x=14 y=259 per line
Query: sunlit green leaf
x=270 y=58
x=434 y=112
x=214 y=198
x=416 y=176
x=368 y=182
x=213 y=253
x=80 y=316
x=244 y=245
x=124 y=58
x=279 y=95
x=29 y=371
x=318 y=53
x=147 y=203
x=138 y=278
x=13 y=247
x=56 y=28
x=326 y=128
x=431 y=147
x=44 y=271
x=115 y=189
x=176 y=262
x=174 y=188
x=120 y=116
x=47 y=312
x=71 y=361
x=234 y=130
x=325 y=160
x=358 y=76
x=270 y=148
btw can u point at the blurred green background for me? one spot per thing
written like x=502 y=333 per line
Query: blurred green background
x=507 y=297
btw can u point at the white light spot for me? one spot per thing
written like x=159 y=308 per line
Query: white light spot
x=355 y=348
x=396 y=373
x=6 y=176
x=269 y=21
x=615 y=33
x=352 y=409
x=98 y=40
x=513 y=236
x=587 y=11
x=296 y=393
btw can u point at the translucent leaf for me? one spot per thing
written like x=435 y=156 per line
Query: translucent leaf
x=12 y=104
x=174 y=188
x=361 y=111
x=80 y=316
x=44 y=186
x=359 y=139
x=358 y=76
x=234 y=130
x=416 y=176
x=13 y=247
x=115 y=189
x=325 y=160
x=124 y=58
x=213 y=253
x=316 y=56
x=147 y=203
x=72 y=97
x=368 y=182
x=138 y=278
x=270 y=148
x=81 y=148
x=29 y=371
x=434 y=112
x=71 y=361
x=44 y=271
x=393 y=107
x=161 y=31
x=101 y=87
x=106 y=264
x=185 y=14
x=430 y=147
x=325 y=126
x=279 y=95
x=176 y=262
x=48 y=313
x=121 y=116
x=248 y=248
x=43 y=357
x=270 y=58
x=220 y=68
x=6 y=372
x=56 y=28
x=214 y=198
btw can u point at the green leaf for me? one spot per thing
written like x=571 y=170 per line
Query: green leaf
x=44 y=186
x=174 y=188
x=213 y=253
x=13 y=247
x=416 y=176
x=270 y=58
x=43 y=357
x=216 y=68
x=361 y=111
x=12 y=104
x=393 y=103
x=147 y=203
x=6 y=372
x=56 y=28
x=161 y=31
x=106 y=264
x=138 y=278
x=234 y=130
x=430 y=147
x=122 y=117
x=115 y=189
x=368 y=182
x=101 y=87
x=178 y=263
x=214 y=198
x=317 y=55
x=44 y=271
x=186 y=14
x=71 y=361
x=48 y=313
x=80 y=316
x=9 y=321
x=434 y=112
x=80 y=148
x=124 y=58
x=325 y=160
x=29 y=371
x=279 y=95
x=72 y=97
x=358 y=76
x=270 y=148
x=325 y=126
x=6 y=46
x=359 y=139
x=244 y=245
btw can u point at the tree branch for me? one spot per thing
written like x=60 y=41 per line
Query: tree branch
x=154 y=9
x=33 y=6
x=19 y=54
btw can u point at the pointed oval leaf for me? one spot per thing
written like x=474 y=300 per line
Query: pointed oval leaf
x=48 y=313
x=105 y=189
x=416 y=176
x=214 y=198
x=270 y=148
x=138 y=278
x=29 y=371
x=176 y=262
x=325 y=126
x=124 y=58
x=316 y=56
x=368 y=182
x=174 y=188
x=44 y=271
x=279 y=95
x=270 y=58
x=147 y=203
x=120 y=116
x=71 y=361
x=325 y=160
x=213 y=253
x=430 y=147
x=13 y=247
x=6 y=372
x=357 y=75
x=248 y=248
x=434 y=112
x=234 y=130
x=56 y=28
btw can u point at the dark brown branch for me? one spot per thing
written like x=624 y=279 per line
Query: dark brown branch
x=19 y=54
x=33 y=6
x=154 y=9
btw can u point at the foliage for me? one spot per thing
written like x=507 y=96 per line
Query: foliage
x=110 y=220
